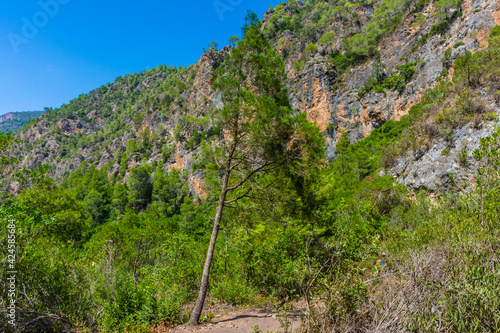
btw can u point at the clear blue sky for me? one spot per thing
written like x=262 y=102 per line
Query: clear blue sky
x=50 y=56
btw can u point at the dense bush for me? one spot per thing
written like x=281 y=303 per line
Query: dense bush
x=380 y=81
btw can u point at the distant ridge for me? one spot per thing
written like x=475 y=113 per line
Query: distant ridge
x=12 y=121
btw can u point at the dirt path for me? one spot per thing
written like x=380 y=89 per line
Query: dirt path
x=230 y=320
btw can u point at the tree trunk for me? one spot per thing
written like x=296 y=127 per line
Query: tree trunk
x=202 y=294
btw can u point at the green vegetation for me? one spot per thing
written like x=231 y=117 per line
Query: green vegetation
x=310 y=21
x=444 y=6
x=262 y=137
x=379 y=81
x=120 y=246
x=311 y=48
x=19 y=119
x=299 y=65
x=327 y=38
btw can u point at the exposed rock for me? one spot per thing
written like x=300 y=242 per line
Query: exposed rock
x=7 y=116
x=446 y=165
x=331 y=101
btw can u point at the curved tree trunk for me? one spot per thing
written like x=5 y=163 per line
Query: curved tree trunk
x=202 y=294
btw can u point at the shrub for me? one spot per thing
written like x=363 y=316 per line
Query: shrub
x=311 y=48
x=397 y=81
x=327 y=38
x=177 y=132
x=447 y=54
x=438 y=28
x=299 y=65
x=234 y=290
x=462 y=157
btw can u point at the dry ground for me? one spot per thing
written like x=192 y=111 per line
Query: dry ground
x=232 y=319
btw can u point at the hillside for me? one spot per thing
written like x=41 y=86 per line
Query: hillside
x=12 y=121
x=328 y=53
x=332 y=132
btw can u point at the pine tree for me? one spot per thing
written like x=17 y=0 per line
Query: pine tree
x=261 y=133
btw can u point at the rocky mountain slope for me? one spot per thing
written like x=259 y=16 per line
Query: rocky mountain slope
x=12 y=121
x=352 y=66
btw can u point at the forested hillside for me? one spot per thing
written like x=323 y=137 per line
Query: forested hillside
x=332 y=131
x=12 y=121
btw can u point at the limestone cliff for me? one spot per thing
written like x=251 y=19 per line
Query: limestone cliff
x=164 y=110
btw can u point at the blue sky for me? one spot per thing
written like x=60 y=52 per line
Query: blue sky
x=51 y=51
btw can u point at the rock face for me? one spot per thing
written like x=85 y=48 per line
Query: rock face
x=446 y=165
x=7 y=116
x=329 y=99
x=312 y=90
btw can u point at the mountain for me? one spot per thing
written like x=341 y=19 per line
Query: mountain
x=12 y=121
x=329 y=52
x=376 y=123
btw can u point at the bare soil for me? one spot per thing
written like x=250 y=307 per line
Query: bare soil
x=233 y=319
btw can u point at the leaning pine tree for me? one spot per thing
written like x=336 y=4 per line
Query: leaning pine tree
x=261 y=133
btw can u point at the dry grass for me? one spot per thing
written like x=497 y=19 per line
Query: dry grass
x=397 y=295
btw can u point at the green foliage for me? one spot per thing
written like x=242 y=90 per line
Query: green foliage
x=473 y=295
x=447 y=54
x=380 y=81
x=233 y=290
x=386 y=18
x=233 y=40
x=45 y=259
x=96 y=252
x=94 y=204
x=443 y=6
x=419 y=20
x=177 y=132
x=421 y=4
x=135 y=307
x=169 y=190
x=299 y=65
x=140 y=187
x=131 y=148
x=212 y=47
x=311 y=48
x=338 y=11
x=438 y=28
x=489 y=180
x=71 y=219
x=120 y=199
x=128 y=308
x=473 y=67
x=327 y=38
x=124 y=164
x=493 y=38
x=7 y=157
